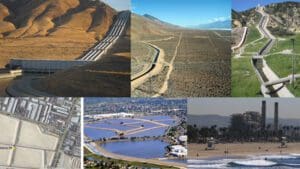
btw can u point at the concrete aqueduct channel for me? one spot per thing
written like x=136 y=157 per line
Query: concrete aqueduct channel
x=270 y=83
x=95 y=53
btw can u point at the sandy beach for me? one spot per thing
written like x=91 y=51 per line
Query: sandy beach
x=241 y=149
x=133 y=159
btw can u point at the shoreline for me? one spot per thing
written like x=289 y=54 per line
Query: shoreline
x=241 y=150
x=107 y=154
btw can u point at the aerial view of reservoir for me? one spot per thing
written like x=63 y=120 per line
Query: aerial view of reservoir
x=140 y=132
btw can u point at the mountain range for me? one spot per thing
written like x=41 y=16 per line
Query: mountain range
x=76 y=18
x=224 y=121
x=226 y=24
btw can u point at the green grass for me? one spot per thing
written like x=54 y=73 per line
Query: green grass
x=296 y=90
x=282 y=64
x=281 y=45
x=256 y=46
x=124 y=163
x=244 y=82
x=252 y=35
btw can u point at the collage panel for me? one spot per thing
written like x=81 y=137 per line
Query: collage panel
x=135 y=133
x=243 y=133
x=265 y=58
x=137 y=84
x=70 y=48
x=40 y=133
x=181 y=55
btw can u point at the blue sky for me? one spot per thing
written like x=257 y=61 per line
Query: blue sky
x=241 y=5
x=119 y=5
x=184 y=12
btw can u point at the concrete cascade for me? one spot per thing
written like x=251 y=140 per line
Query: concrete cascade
x=95 y=53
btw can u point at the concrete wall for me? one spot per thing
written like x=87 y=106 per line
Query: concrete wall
x=44 y=66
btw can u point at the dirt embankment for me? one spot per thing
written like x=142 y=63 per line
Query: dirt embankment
x=107 y=77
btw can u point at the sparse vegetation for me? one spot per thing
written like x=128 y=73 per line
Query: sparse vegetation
x=201 y=66
x=142 y=56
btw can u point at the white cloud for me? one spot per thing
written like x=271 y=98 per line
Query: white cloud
x=219 y=19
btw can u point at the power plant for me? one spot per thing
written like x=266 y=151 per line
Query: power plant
x=264 y=116
x=276 y=117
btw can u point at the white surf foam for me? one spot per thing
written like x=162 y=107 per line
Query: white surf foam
x=255 y=163
x=207 y=166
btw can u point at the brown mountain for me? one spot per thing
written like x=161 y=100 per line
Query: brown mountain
x=77 y=18
x=51 y=29
x=148 y=25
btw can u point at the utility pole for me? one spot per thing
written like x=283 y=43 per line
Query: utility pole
x=293 y=64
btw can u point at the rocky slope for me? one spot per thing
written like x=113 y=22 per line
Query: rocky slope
x=285 y=18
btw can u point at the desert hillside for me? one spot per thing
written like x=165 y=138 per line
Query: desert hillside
x=52 y=29
x=245 y=18
x=146 y=25
x=285 y=18
x=29 y=18
x=106 y=77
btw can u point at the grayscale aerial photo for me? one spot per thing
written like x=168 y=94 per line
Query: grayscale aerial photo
x=40 y=133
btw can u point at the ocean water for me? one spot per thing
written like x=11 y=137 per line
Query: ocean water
x=290 y=161
x=141 y=149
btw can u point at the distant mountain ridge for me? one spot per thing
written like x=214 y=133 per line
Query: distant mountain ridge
x=145 y=25
x=224 y=121
x=160 y=21
x=226 y=24
x=208 y=120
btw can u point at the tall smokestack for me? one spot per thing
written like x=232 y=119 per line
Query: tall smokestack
x=263 y=115
x=276 y=117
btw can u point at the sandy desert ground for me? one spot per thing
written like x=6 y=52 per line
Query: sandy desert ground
x=196 y=63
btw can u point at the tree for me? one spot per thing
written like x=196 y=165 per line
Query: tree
x=237 y=126
x=192 y=133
